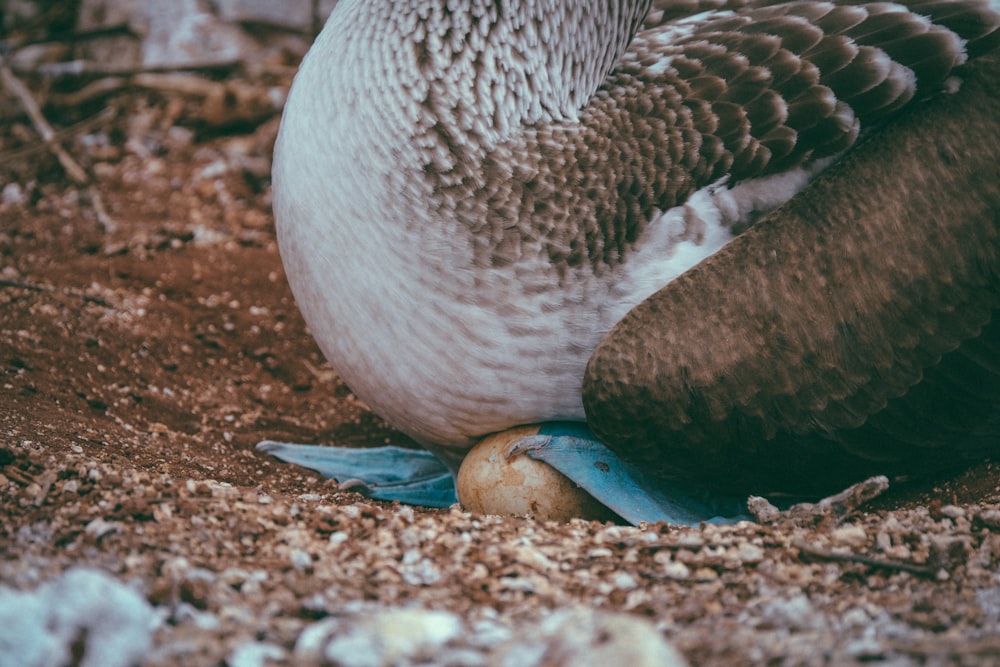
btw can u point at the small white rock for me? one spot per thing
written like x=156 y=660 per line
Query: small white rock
x=98 y=528
x=255 y=654
x=12 y=194
x=749 y=553
x=45 y=627
x=378 y=638
x=301 y=560
x=582 y=637
x=852 y=535
x=676 y=570
x=952 y=511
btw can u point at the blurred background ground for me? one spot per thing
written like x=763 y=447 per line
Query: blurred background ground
x=148 y=340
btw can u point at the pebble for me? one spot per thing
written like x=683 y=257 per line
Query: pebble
x=749 y=553
x=84 y=617
x=796 y=613
x=851 y=535
x=952 y=511
x=378 y=638
x=585 y=637
x=990 y=518
x=255 y=654
x=99 y=527
x=676 y=570
x=300 y=560
x=12 y=194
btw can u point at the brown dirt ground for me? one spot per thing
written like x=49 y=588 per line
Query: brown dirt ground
x=141 y=359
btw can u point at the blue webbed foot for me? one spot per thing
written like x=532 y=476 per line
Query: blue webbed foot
x=573 y=450
x=411 y=476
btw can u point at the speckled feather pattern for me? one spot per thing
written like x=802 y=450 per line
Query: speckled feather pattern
x=468 y=199
x=741 y=95
x=799 y=357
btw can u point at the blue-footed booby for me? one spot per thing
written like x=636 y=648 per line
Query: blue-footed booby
x=753 y=247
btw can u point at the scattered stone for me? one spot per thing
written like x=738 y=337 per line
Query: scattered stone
x=851 y=535
x=379 y=638
x=83 y=617
x=583 y=637
x=12 y=194
x=256 y=654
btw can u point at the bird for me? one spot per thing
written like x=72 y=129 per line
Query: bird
x=717 y=245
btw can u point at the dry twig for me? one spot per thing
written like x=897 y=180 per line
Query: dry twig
x=79 y=128
x=52 y=141
x=75 y=172
x=884 y=563
x=836 y=507
x=87 y=68
x=92 y=91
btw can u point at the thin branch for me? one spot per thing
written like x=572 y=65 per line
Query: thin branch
x=11 y=44
x=884 y=563
x=79 y=128
x=103 y=217
x=72 y=68
x=19 y=476
x=834 y=508
x=75 y=172
x=100 y=88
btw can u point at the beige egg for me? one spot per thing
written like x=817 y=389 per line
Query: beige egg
x=489 y=483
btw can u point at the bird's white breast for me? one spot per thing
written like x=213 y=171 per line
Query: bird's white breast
x=443 y=344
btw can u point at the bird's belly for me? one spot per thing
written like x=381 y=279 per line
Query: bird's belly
x=448 y=352
x=447 y=372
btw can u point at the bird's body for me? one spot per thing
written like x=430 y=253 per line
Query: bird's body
x=469 y=197
x=454 y=315
x=864 y=342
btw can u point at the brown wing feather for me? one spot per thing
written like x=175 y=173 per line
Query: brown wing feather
x=855 y=330
x=830 y=59
x=744 y=95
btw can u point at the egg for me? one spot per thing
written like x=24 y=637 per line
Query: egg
x=490 y=483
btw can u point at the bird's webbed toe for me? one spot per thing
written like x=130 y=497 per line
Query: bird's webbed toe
x=411 y=476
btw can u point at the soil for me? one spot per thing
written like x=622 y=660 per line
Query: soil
x=148 y=340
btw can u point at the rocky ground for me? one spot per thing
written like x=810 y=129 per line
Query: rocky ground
x=148 y=340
